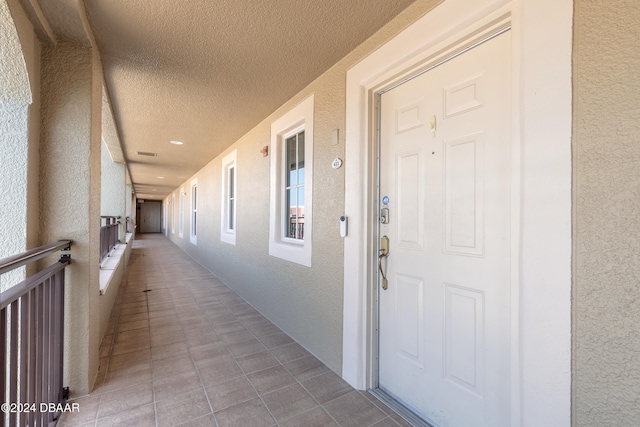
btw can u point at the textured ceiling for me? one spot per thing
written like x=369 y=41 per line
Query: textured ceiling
x=206 y=71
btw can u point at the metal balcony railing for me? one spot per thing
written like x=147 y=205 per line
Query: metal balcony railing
x=109 y=232
x=32 y=341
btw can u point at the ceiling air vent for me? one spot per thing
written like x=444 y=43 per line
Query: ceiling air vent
x=146 y=153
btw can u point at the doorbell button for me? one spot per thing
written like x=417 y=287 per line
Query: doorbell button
x=343 y=226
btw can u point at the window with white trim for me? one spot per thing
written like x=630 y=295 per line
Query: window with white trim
x=173 y=213
x=193 y=234
x=291 y=184
x=229 y=198
x=181 y=213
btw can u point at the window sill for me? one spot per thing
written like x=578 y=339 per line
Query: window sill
x=229 y=238
x=295 y=251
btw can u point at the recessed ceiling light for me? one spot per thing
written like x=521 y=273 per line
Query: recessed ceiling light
x=176 y=142
x=154 y=189
x=160 y=177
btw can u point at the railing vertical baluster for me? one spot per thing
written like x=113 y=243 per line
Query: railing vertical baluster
x=13 y=362
x=3 y=361
x=39 y=358
x=24 y=347
x=45 y=347
x=32 y=351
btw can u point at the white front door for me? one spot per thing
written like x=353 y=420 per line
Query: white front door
x=444 y=320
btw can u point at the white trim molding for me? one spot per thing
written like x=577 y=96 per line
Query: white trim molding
x=297 y=119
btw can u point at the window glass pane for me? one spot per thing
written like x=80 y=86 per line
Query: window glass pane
x=300 y=214
x=195 y=224
x=231 y=210
x=295 y=212
x=290 y=207
x=291 y=146
x=231 y=182
x=290 y=200
x=301 y=157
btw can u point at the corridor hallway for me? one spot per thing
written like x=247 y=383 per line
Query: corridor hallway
x=181 y=348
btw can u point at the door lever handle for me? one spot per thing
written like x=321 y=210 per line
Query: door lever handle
x=384 y=252
x=385 y=282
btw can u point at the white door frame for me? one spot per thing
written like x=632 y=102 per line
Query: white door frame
x=541 y=191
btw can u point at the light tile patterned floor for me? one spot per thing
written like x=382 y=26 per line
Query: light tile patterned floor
x=182 y=348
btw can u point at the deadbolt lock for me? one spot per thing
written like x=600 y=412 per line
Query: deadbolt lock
x=384 y=216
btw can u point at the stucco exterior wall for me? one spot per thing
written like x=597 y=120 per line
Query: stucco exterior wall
x=13 y=182
x=305 y=302
x=606 y=364
x=32 y=51
x=14 y=77
x=113 y=190
x=30 y=46
x=15 y=98
x=70 y=194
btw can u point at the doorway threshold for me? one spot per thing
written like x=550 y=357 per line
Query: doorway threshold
x=407 y=414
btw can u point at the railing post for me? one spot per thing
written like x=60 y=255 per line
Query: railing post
x=13 y=361
x=33 y=357
x=38 y=349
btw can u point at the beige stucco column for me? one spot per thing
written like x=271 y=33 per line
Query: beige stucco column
x=606 y=223
x=71 y=94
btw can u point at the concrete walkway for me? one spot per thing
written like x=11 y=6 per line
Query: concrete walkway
x=182 y=348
